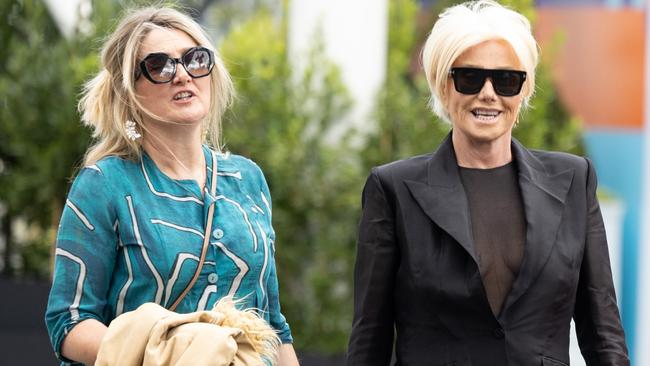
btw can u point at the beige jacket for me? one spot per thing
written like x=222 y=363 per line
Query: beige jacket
x=154 y=336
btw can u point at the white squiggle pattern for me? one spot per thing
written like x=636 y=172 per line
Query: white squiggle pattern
x=236 y=175
x=240 y=263
x=266 y=203
x=95 y=167
x=155 y=273
x=74 y=307
x=80 y=215
x=248 y=222
x=167 y=195
x=254 y=206
x=266 y=259
x=177 y=269
x=177 y=227
x=120 y=301
x=204 y=297
x=116 y=226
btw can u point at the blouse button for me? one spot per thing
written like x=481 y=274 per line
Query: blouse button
x=212 y=278
x=217 y=233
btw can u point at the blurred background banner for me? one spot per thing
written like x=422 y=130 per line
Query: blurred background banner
x=327 y=89
x=642 y=336
x=600 y=71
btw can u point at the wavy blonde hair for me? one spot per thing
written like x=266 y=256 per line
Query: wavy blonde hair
x=466 y=25
x=109 y=99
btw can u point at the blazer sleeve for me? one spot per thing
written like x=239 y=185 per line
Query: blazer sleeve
x=598 y=323
x=371 y=340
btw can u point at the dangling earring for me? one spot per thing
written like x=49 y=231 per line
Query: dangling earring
x=131 y=132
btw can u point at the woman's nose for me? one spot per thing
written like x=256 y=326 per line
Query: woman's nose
x=181 y=76
x=487 y=91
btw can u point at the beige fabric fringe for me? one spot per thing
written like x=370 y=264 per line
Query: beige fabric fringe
x=154 y=336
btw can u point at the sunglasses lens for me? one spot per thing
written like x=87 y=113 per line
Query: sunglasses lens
x=507 y=83
x=198 y=62
x=469 y=81
x=160 y=67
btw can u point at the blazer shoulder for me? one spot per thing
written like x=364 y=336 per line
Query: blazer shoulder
x=557 y=161
x=405 y=169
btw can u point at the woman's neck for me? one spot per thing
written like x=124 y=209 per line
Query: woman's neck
x=177 y=152
x=482 y=155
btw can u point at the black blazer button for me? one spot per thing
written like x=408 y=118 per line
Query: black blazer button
x=498 y=333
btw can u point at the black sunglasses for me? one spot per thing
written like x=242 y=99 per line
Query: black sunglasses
x=159 y=68
x=469 y=80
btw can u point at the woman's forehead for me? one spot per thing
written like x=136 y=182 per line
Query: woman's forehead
x=490 y=54
x=166 y=40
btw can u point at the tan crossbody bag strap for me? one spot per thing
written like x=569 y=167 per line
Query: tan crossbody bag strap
x=206 y=236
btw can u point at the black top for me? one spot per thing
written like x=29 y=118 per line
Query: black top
x=498 y=227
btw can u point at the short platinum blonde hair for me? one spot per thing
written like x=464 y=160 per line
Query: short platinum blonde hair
x=109 y=99
x=466 y=25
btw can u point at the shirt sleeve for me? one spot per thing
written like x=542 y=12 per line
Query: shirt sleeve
x=277 y=319
x=86 y=248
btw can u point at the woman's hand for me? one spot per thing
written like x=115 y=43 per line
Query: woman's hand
x=82 y=343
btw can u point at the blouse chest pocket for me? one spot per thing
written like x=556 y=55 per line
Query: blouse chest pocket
x=160 y=237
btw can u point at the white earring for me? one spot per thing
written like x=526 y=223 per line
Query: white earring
x=131 y=132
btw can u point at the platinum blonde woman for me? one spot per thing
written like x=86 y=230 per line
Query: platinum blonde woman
x=482 y=252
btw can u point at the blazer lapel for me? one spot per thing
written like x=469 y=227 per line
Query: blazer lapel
x=443 y=200
x=442 y=197
x=543 y=198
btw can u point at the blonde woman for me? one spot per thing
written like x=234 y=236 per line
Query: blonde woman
x=135 y=218
x=482 y=252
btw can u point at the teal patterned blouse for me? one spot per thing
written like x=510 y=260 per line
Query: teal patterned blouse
x=129 y=234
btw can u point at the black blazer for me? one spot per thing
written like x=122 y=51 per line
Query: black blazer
x=417 y=274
